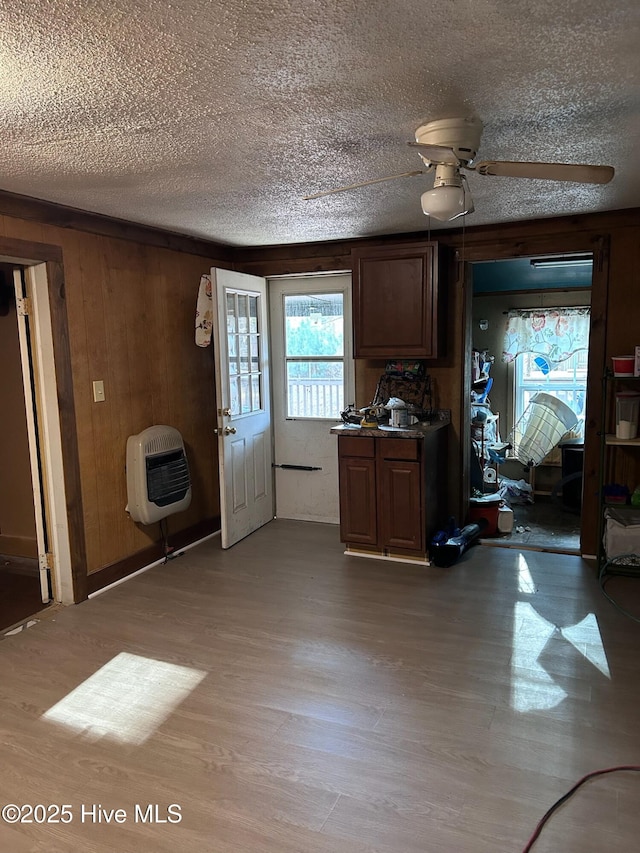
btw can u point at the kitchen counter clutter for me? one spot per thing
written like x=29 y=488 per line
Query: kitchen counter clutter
x=391 y=482
x=383 y=431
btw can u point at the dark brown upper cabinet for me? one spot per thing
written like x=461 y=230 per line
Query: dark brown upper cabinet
x=395 y=301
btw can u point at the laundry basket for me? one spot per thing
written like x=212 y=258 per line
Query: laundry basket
x=543 y=424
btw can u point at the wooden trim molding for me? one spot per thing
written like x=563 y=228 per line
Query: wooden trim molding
x=481 y=242
x=122 y=568
x=26 y=252
x=68 y=428
x=38 y=210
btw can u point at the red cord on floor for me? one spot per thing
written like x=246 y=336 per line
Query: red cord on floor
x=565 y=797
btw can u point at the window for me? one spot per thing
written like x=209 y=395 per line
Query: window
x=314 y=355
x=550 y=348
x=567 y=381
x=243 y=343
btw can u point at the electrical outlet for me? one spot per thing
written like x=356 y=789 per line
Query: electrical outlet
x=98 y=391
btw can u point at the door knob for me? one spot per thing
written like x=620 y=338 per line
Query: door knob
x=226 y=412
x=230 y=430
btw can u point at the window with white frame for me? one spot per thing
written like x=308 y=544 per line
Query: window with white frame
x=314 y=347
x=549 y=348
x=567 y=381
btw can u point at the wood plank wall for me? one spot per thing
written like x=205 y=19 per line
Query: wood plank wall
x=131 y=310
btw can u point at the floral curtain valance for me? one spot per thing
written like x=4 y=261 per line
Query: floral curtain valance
x=555 y=333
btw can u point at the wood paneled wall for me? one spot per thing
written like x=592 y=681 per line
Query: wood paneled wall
x=131 y=311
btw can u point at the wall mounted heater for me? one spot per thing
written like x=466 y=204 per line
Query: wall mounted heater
x=158 y=481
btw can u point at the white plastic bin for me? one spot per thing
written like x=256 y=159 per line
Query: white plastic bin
x=627 y=407
x=622 y=531
x=547 y=419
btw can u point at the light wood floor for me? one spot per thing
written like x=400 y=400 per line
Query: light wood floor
x=330 y=704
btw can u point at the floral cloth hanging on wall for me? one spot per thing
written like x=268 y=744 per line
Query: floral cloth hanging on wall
x=204 y=313
x=555 y=333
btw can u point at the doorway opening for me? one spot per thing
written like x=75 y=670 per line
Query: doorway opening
x=529 y=339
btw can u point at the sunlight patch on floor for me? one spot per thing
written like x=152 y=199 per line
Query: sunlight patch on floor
x=586 y=638
x=532 y=688
x=525 y=581
x=126 y=700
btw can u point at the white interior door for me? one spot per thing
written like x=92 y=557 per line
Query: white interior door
x=241 y=356
x=312 y=382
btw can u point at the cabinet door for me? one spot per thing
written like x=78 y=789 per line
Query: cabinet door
x=395 y=302
x=358 y=523
x=400 y=512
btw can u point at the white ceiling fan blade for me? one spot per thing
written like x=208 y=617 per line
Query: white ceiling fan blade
x=364 y=184
x=436 y=153
x=581 y=173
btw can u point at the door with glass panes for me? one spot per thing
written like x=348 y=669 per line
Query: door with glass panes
x=312 y=382
x=241 y=356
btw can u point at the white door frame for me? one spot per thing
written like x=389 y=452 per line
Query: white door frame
x=305 y=492
x=51 y=451
x=245 y=448
x=27 y=362
x=50 y=445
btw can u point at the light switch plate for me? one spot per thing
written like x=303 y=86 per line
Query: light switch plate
x=98 y=391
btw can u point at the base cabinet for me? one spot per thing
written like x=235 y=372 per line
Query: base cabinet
x=358 y=513
x=400 y=503
x=388 y=489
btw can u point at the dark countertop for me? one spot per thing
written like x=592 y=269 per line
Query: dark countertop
x=419 y=430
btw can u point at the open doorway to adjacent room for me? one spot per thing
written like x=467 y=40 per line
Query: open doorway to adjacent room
x=529 y=336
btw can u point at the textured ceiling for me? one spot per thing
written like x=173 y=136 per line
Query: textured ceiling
x=214 y=118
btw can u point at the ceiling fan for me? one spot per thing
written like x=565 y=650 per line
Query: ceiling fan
x=448 y=146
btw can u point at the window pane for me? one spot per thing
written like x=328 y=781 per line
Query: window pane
x=243 y=307
x=255 y=363
x=314 y=324
x=245 y=395
x=244 y=353
x=234 y=396
x=315 y=389
x=253 y=314
x=231 y=313
x=256 y=398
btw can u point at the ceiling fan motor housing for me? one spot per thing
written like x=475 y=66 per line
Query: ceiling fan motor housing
x=462 y=135
x=447 y=176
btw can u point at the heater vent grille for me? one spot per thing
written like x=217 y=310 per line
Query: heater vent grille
x=159 y=442
x=158 y=479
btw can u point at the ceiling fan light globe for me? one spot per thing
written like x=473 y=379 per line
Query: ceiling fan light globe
x=446 y=203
